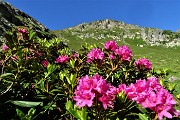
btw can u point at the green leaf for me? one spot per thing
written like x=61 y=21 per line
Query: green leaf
x=69 y=107
x=31 y=113
x=50 y=69
x=171 y=86
x=6 y=74
x=26 y=103
x=31 y=34
x=143 y=110
x=84 y=114
x=72 y=79
x=72 y=63
x=62 y=74
x=143 y=117
x=42 y=85
x=20 y=113
x=78 y=113
x=68 y=79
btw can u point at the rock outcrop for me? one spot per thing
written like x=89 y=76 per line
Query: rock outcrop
x=11 y=17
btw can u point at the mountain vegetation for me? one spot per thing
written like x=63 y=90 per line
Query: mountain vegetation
x=105 y=69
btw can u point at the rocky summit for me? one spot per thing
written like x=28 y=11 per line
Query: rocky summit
x=11 y=17
x=120 y=31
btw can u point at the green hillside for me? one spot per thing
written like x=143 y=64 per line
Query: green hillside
x=161 y=55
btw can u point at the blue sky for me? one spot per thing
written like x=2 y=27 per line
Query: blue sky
x=60 y=14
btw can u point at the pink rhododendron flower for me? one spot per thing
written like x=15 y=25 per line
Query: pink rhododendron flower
x=108 y=97
x=143 y=64
x=153 y=83
x=101 y=85
x=84 y=98
x=150 y=94
x=151 y=101
x=86 y=83
x=75 y=55
x=1 y=62
x=121 y=87
x=106 y=101
x=23 y=30
x=95 y=54
x=124 y=53
x=62 y=59
x=45 y=63
x=39 y=54
x=5 y=47
x=111 y=56
x=111 y=45
x=89 y=88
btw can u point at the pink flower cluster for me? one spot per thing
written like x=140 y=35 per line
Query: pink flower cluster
x=45 y=63
x=5 y=48
x=111 y=45
x=150 y=94
x=62 y=59
x=23 y=31
x=96 y=87
x=143 y=64
x=123 y=52
x=95 y=54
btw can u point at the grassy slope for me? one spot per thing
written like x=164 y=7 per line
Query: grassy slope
x=160 y=57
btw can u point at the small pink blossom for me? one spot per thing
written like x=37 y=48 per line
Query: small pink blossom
x=75 y=55
x=111 y=45
x=45 y=63
x=95 y=54
x=111 y=56
x=1 y=62
x=121 y=87
x=23 y=30
x=124 y=53
x=5 y=48
x=143 y=64
x=62 y=59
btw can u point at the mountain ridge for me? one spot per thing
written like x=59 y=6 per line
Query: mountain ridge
x=118 y=30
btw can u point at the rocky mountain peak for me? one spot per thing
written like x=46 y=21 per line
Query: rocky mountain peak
x=11 y=17
x=118 y=30
x=106 y=24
